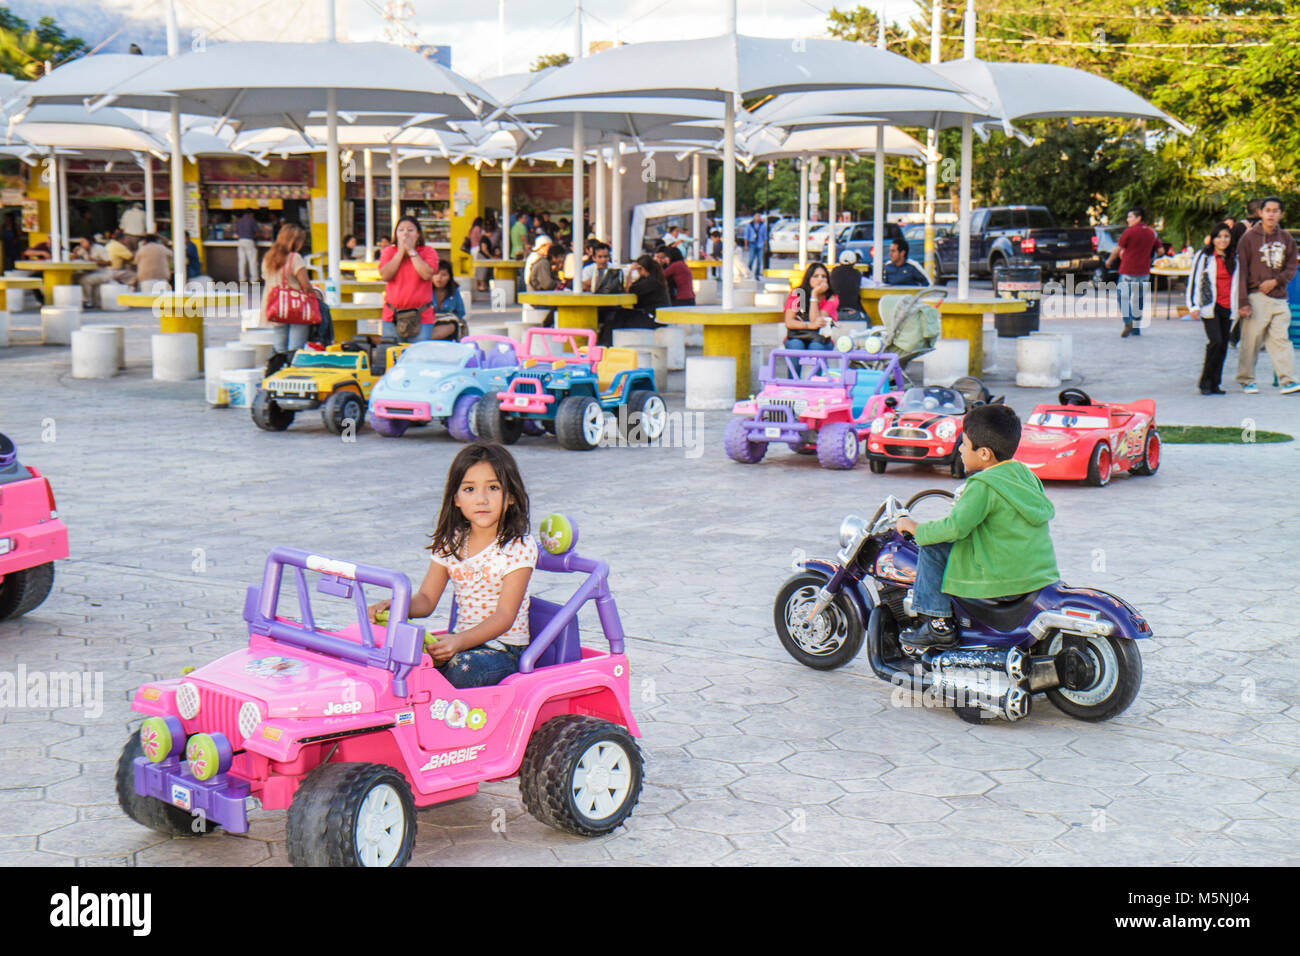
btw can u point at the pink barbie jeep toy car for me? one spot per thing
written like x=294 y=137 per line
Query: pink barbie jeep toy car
x=32 y=537
x=352 y=729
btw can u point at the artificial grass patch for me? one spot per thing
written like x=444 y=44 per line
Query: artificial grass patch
x=1217 y=435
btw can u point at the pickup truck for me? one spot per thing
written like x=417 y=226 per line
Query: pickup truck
x=1019 y=235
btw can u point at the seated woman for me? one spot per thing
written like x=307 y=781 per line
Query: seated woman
x=448 y=306
x=681 y=285
x=645 y=280
x=808 y=308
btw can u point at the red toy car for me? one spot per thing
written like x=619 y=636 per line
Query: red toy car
x=924 y=426
x=1083 y=440
x=32 y=537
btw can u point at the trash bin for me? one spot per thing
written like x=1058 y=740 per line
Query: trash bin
x=1018 y=282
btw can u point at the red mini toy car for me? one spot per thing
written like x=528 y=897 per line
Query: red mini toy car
x=1083 y=440
x=924 y=426
x=32 y=537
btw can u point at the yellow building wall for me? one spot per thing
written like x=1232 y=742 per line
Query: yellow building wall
x=190 y=174
x=466 y=206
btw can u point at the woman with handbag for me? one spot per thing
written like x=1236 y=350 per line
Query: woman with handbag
x=407 y=266
x=289 y=302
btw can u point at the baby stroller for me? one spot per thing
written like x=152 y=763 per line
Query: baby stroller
x=910 y=326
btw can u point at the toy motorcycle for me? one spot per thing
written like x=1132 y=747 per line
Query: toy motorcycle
x=1077 y=645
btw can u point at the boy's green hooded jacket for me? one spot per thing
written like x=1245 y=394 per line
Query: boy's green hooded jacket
x=998 y=527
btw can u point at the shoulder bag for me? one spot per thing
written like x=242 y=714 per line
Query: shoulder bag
x=289 y=305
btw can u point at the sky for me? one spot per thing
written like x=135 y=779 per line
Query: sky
x=533 y=27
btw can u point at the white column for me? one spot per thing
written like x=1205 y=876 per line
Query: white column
x=598 y=174
x=697 y=194
x=333 y=239
x=729 y=194
x=878 y=189
x=963 y=245
x=178 y=165
x=932 y=145
x=370 y=208
x=803 y=211
x=505 y=206
x=65 y=216
x=579 y=200
x=56 y=208
x=394 y=190
x=150 y=223
x=616 y=203
x=830 y=214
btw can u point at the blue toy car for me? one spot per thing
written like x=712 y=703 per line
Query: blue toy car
x=442 y=381
x=570 y=393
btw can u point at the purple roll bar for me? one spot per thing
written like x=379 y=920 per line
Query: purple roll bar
x=596 y=586
x=403 y=644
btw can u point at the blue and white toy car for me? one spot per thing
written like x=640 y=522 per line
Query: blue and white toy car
x=441 y=381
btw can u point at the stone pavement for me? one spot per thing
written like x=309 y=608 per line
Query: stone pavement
x=751 y=758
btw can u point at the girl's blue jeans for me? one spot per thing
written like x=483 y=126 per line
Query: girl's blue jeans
x=927 y=592
x=481 y=666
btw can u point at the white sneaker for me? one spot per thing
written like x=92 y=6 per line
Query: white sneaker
x=1293 y=387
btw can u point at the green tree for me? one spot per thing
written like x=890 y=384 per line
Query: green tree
x=550 y=59
x=24 y=49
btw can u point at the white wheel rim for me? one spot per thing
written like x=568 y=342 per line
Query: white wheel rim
x=654 y=416
x=825 y=634
x=850 y=445
x=593 y=423
x=602 y=780
x=1104 y=660
x=381 y=827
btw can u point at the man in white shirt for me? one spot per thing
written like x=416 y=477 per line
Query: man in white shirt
x=133 y=223
x=597 y=276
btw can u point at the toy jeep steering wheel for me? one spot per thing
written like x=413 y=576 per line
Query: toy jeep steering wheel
x=1073 y=396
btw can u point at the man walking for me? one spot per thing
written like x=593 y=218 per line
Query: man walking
x=1266 y=262
x=246 y=234
x=755 y=241
x=1135 y=250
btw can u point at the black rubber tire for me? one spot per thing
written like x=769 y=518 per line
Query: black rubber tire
x=1129 y=681
x=956 y=467
x=340 y=407
x=1095 y=476
x=546 y=774
x=490 y=424
x=322 y=818
x=568 y=422
x=854 y=631
x=267 y=415
x=635 y=431
x=877 y=466
x=996 y=262
x=148 y=811
x=23 y=591
x=1142 y=469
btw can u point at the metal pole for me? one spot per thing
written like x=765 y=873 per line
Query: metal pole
x=803 y=211
x=616 y=203
x=932 y=144
x=64 y=213
x=963 y=247
x=729 y=197
x=598 y=174
x=830 y=215
x=878 y=188
x=506 y=251
x=178 y=164
x=579 y=145
x=332 y=237
x=394 y=190
x=697 y=194
x=370 y=208
x=150 y=223
x=56 y=209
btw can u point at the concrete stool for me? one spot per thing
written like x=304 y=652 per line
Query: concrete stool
x=4 y=330
x=217 y=360
x=239 y=386
x=1067 y=351
x=486 y=329
x=948 y=362
x=771 y=300
x=710 y=382
x=515 y=330
x=108 y=293
x=368 y=298
x=990 y=349
x=694 y=335
x=15 y=299
x=655 y=358
x=154 y=287
x=633 y=338
x=197 y=286
x=673 y=338
x=67 y=297
x=119 y=334
x=58 y=324
x=501 y=293
x=707 y=292
x=94 y=353
x=744 y=297
x=1038 y=361
x=175 y=356
x=250 y=319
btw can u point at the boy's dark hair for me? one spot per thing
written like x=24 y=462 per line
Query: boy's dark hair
x=995 y=427
x=557 y=251
x=597 y=246
x=452 y=527
x=1268 y=199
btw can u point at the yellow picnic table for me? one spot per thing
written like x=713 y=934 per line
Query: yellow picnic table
x=55 y=273
x=700 y=267
x=501 y=268
x=346 y=316
x=725 y=332
x=350 y=287
x=361 y=269
x=577 y=310
x=958 y=318
x=182 y=313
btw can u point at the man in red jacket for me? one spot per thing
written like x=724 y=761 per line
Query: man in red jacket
x=1135 y=250
x=1266 y=262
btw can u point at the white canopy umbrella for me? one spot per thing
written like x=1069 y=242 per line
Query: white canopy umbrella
x=725 y=68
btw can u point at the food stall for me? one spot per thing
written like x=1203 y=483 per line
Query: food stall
x=276 y=193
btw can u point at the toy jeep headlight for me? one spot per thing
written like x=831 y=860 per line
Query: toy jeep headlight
x=877 y=426
x=187 y=700
x=946 y=430
x=250 y=717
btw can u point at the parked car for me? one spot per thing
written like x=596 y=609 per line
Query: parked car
x=32 y=537
x=1104 y=240
x=784 y=237
x=859 y=237
x=1018 y=235
x=914 y=233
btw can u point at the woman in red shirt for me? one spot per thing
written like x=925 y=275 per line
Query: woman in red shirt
x=408 y=266
x=1209 y=296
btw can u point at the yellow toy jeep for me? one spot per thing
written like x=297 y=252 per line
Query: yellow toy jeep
x=336 y=380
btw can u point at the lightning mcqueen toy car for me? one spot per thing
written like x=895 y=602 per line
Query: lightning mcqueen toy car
x=1083 y=440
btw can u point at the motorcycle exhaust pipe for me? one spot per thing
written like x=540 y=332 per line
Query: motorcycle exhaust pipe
x=1010 y=661
x=971 y=688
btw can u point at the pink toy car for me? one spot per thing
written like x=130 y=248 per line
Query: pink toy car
x=353 y=728
x=32 y=537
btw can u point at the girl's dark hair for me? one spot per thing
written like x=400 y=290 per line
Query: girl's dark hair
x=1218 y=228
x=452 y=528
x=805 y=286
x=419 y=232
x=651 y=267
x=675 y=255
x=445 y=266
